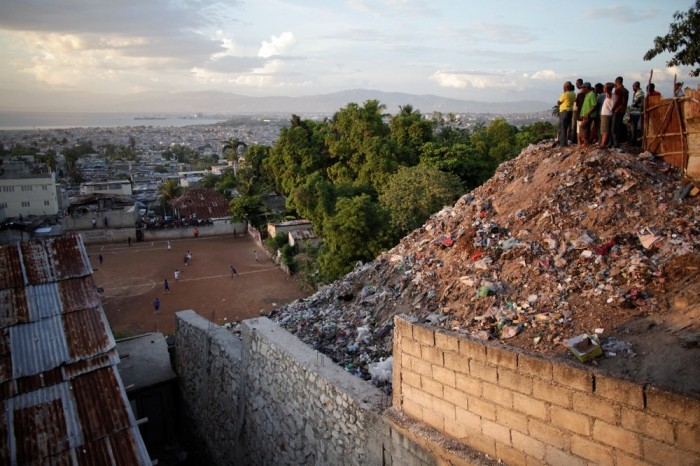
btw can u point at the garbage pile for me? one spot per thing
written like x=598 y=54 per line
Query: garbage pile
x=559 y=242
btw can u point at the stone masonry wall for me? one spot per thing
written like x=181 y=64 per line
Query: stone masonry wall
x=524 y=409
x=208 y=361
x=271 y=399
x=301 y=408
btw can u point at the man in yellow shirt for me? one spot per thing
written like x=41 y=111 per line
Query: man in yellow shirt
x=566 y=109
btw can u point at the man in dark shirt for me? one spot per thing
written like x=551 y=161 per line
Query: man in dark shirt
x=620 y=98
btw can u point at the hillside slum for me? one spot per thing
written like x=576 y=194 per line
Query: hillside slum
x=560 y=242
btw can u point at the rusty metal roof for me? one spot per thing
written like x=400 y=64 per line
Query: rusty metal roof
x=63 y=398
x=202 y=204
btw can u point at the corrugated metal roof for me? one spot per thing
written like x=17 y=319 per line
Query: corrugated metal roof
x=202 y=204
x=63 y=398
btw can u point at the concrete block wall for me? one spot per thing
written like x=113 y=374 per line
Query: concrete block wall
x=524 y=409
x=270 y=399
x=301 y=408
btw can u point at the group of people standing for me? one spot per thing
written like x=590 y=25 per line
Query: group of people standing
x=596 y=114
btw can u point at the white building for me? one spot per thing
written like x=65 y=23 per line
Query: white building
x=28 y=194
x=115 y=187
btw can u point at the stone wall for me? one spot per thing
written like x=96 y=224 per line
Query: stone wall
x=524 y=409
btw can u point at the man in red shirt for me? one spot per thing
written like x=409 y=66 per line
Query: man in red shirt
x=620 y=98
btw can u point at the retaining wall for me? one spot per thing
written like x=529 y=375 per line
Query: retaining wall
x=524 y=409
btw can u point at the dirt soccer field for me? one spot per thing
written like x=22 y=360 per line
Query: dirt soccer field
x=132 y=278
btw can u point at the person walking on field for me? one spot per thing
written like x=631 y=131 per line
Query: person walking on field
x=156 y=306
x=177 y=275
x=233 y=271
x=166 y=287
x=100 y=258
x=255 y=253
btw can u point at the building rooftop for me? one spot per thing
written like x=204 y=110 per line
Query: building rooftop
x=63 y=401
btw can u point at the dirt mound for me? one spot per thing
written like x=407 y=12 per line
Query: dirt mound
x=560 y=242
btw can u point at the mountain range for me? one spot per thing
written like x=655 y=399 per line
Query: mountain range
x=230 y=103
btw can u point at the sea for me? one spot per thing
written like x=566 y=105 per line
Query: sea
x=62 y=120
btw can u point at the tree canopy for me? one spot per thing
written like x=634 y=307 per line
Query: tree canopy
x=681 y=40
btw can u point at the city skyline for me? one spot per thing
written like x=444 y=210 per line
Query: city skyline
x=498 y=52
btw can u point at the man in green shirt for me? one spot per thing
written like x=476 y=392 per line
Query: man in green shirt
x=588 y=113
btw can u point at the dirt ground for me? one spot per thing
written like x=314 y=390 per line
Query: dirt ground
x=132 y=277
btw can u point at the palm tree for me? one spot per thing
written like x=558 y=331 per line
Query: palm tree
x=231 y=146
x=168 y=191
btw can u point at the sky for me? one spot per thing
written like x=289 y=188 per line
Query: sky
x=471 y=50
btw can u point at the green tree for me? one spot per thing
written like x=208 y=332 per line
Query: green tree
x=248 y=209
x=413 y=194
x=231 y=148
x=681 y=40
x=167 y=192
x=409 y=131
x=354 y=233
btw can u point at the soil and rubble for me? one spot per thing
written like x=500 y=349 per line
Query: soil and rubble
x=559 y=242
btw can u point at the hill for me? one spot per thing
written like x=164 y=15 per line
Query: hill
x=559 y=242
x=226 y=102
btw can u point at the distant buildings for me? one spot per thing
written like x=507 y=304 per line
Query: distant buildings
x=23 y=193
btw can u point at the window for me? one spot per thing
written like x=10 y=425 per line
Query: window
x=26 y=204
x=8 y=189
x=47 y=203
x=26 y=187
x=44 y=187
x=3 y=205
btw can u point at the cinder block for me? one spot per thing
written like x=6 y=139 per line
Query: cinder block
x=431 y=386
x=483 y=443
x=423 y=335
x=536 y=366
x=606 y=410
x=680 y=407
x=483 y=371
x=456 y=362
x=457 y=429
x=625 y=459
x=513 y=420
x=531 y=446
x=482 y=408
x=571 y=420
x=496 y=431
x=509 y=455
x=418 y=366
x=432 y=355
x=629 y=393
x=530 y=406
x=689 y=437
x=468 y=384
x=410 y=346
x=556 y=456
x=651 y=426
x=418 y=396
x=501 y=357
x=548 y=391
x=498 y=395
x=410 y=378
x=514 y=381
x=472 y=349
x=659 y=453
x=412 y=409
x=444 y=408
x=446 y=342
x=593 y=451
x=616 y=437
x=434 y=419
x=402 y=327
x=550 y=435
x=444 y=376
x=574 y=377
x=456 y=397
x=469 y=420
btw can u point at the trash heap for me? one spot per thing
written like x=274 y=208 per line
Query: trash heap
x=559 y=242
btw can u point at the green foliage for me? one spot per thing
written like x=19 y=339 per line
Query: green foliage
x=681 y=40
x=168 y=191
x=19 y=149
x=247 y=208
x=353 y=234
x=415 y=193
x=180 y=153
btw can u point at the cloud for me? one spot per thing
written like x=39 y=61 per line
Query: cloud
x=621 y=14
x=473 y=80
x=277 y=45
x=545 y=75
